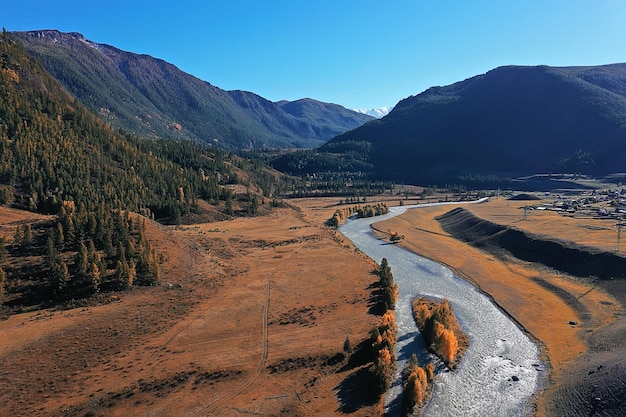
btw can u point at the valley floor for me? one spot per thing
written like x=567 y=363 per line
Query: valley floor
x=250 y=319
x=252 y=314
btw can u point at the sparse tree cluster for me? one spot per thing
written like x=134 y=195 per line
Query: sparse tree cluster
x=395 y=237
x=384 y=336
x=90 y=236
x=389 y=288
x=340 y=215
x=437 y=324
x=372 y=210
x=415 y=384
x=383 y=339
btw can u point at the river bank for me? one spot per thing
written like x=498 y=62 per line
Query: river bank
x=501 y=369
x=527 y=292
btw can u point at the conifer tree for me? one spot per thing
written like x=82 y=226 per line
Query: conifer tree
x=3 y=280
x=347 y=347
x=59 y=236
x=27 y=239
x=51 y=254
x=93 y=278
x=92 y=255
x=132 y=272
x=388 y=286
x=81 y=262
x=18 y=236
x=58 y=278
x=108 y=244
x=123 y=275
x=3 y=249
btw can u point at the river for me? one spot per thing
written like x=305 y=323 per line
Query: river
x=501 y=369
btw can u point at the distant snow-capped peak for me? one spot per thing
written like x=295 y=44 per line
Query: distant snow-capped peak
x=377 y=113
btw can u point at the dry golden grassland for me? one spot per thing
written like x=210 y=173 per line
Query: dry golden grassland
x=248 y=320
x=251 y=314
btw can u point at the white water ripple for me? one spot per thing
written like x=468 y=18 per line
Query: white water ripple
x=500 y=370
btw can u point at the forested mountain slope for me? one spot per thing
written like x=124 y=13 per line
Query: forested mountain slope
x=58 y=158
x=151 y=97
x=512 y=121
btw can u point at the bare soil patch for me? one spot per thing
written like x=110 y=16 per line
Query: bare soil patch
x=249 y=319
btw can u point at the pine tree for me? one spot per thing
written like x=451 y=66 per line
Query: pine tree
x=3 y=280
x=51 y=254
x=18 y=236
x=347 y=347
x=121 y=251
x=388 y=287
x=81 y=262
x=3 y=249
x=132 y=272
x=27 y=239
x=59 y=236
x=58 y=278
x=93 y=278
x=122 y=275
x=92 y=255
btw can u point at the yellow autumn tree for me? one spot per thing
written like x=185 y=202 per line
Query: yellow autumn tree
x=430 y=371
x=385 y=368
x=445 y=342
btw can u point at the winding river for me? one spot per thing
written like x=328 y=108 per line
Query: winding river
x=500 y=370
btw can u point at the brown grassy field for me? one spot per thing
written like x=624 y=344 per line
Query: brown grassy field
x=250 y=319
x=251 y=316
x=563 y=328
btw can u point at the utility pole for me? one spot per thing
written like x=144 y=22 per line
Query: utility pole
x=619 y=236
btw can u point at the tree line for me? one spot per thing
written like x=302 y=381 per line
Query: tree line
x=361 y=211
x=383 y=337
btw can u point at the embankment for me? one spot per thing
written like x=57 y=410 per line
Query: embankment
x=592 y=384
x=565 y=256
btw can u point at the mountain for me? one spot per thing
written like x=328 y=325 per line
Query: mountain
x=54 y=150
x=377 y=112
x=153 y=98
x=512 y=121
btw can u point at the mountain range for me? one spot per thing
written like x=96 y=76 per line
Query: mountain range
x=377 y=112
x=53 y=150
x=153 y=98
x=512 y=121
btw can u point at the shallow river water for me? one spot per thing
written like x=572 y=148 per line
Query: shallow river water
x=500 y=370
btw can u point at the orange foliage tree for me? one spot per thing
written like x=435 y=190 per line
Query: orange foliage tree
x=436 y=323
x=415 y=382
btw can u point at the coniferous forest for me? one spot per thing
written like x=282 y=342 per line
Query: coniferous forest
x=59 y=159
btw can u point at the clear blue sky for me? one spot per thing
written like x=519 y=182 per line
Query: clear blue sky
x=357 y=53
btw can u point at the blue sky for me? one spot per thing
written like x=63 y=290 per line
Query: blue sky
x=354 y=53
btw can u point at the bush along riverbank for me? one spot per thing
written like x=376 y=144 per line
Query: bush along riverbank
x=368 y=210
